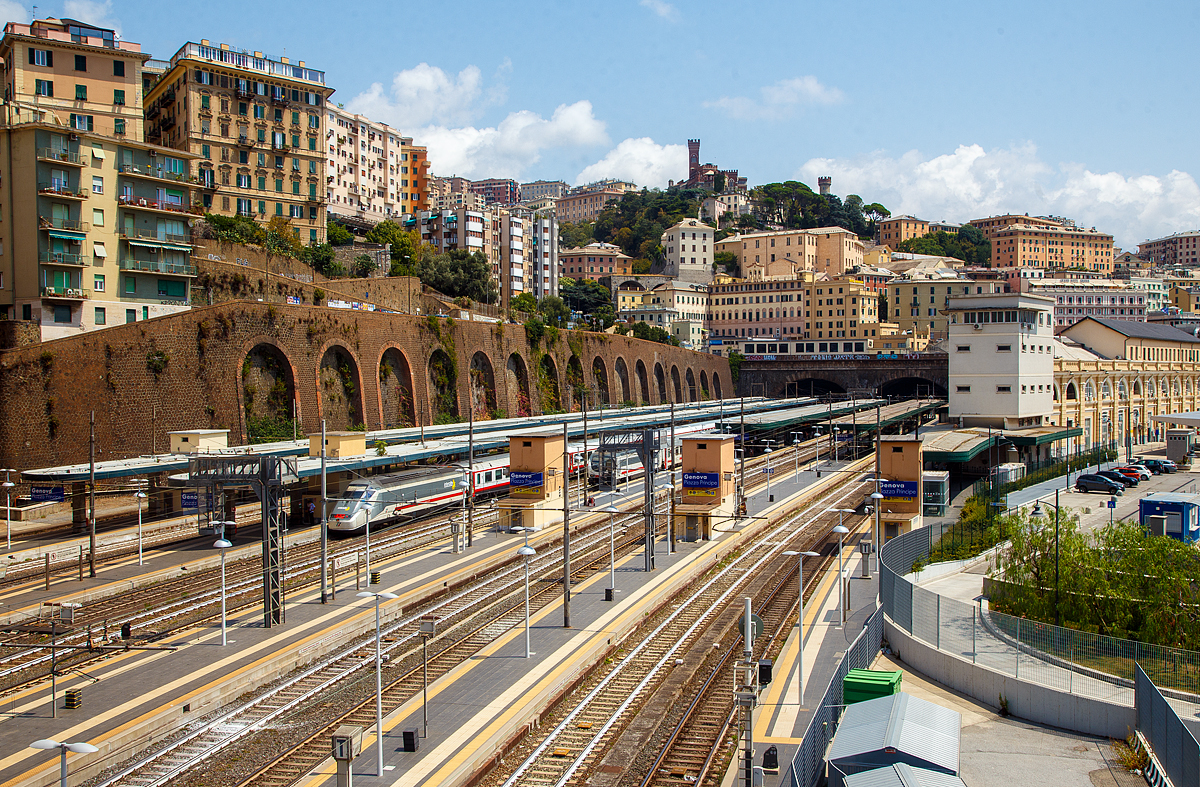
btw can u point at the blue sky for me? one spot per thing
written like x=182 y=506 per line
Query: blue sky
x=947 y=110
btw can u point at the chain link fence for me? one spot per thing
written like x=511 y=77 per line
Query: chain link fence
x=1173 y=744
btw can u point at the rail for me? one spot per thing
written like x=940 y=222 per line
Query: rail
x=1176 y=753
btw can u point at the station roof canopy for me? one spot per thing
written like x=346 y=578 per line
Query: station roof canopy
x=1179 y=419
x=957 y=445
x=903 y=775
x=898 y=728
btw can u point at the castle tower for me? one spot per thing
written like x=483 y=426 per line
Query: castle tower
x=823 y=183
x=693 y=159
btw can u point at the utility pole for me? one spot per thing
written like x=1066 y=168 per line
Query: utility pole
x=566 y=530
x=324 y=527
x=671 y=499
x=471 y=476
x=742 y=469
x=583 y=466
x=879 y=500
x=92 y=496
x=648 y=493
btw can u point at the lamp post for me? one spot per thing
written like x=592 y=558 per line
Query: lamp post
x=877 y=498
x=1037 y=513
x=796 y=444
x=800 y=615
x=63 y=748
x=222 y=545
x=8 y=488
x=668 y=490
x=378 y=678
x=612 y=511
x=140 y=495
x=526 y=552
x=767 y=451
x=817 y=455
x=841 y=531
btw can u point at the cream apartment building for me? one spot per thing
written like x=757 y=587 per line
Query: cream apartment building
x=688 y=249
x=784 y=254
x=918 y=303
x=1181 y=248
x=256 y=129
x=374 y=172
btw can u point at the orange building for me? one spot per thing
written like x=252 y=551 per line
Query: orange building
x=586 y=205
x=896 y=229
x=1057 y=246
x=594 y=261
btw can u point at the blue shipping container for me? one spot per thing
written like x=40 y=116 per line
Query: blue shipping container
x=1182 y=513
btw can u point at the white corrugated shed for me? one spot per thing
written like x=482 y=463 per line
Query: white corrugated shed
x=903 y=775
x=899 y=728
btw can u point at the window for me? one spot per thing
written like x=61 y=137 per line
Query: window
x=43 y=87
x=172 y=288
x=131 y=285
x=278 y=208
x=81 y=122
x=1003 y=389
x=62 y=313
x=119 y=97
x=118 y=68
x=243 y=181
x=97 y=184
x=98 y=282
x=206 y=151
x=1003 y=348
x=81 y=92
x=81 y=62
x=97 y=217
x=41 y=57
x=964 y=389
x=279 y=184
x=101 y=317
x=260 y=112
x=119 y=126
x=295 y=187
x=204 y=102
x=131 y=315
x=243 y=108
x=262 y=184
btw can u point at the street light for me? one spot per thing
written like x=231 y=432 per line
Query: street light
x=526 y=552
x=767 y=451
x=140 y=495
x=378 y=678
x=8 y=488
x=1038 y=513
x=612 y=511
x=877 y=497
x=800 y=614
x=817 y=455
x=63 y=748
x=222 y=545
x=841 y=531
x=796 y=443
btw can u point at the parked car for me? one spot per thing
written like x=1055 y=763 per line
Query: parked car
x=1125 y=479
x=1142 y=471
x=1159 y=465
x=1092 y=482
x=1128 y=473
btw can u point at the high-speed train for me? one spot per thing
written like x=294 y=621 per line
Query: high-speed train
x=407 y=493
x=610 y=468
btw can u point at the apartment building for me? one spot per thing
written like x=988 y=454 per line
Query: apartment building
x=374 y=172
x=594 y=261
x=1045 y=246
x=497 y=191
x=828 y=314
x=97 y=231
x=542 y=274
x=585 y=205
x=918 y=303
x=784 y=254
x=1181 y=248
x=540 y=189
x=256 y=128
x=498 y=234
x=897 y=229
x=1155 y=290
x=78 y=76
x=669 y=302
x=994 y=224
x=716 y=207
x=688 y=248
x=1001 y=360
x=1074 y=300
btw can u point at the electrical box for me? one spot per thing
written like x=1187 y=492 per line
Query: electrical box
x=347 y=742
x=412 y=739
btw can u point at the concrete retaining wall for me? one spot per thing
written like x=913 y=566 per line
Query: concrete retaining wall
x=1026 y=700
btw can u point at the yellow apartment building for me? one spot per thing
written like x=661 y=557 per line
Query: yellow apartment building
x=897 y=229
x=993 y=224
x=918 y=305
x=585 y=205
x=256 y=128
x=785 y=254
x=1034 y=246
x=78 y=76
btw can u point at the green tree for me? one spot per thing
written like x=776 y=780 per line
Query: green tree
x=365 y=265
x=321 y=259
x=637 y=221
x=574 y=236
x=525 y=302
x=735 y=365
x=584 y=295
x=640 y=267
x=554 y=311
x=281 y=240
x=728 y=262
x=338 y=235
x=235 y=229
x=459 y=273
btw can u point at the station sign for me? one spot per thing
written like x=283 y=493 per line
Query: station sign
x=189 y=500
x=899 y=491
x=701 y=480
x=47 y=494
x=525 y=482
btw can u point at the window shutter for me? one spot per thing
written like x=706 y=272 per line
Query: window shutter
x=31 y=56
x=50 y=58
x=89 y=119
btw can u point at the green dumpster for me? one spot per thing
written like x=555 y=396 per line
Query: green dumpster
x=865 y=684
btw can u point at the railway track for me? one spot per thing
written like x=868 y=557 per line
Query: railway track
x=489 y=598
x=568 y=753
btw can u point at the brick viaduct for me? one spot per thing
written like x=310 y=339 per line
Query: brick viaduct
x=244 y=364
x=926 y=375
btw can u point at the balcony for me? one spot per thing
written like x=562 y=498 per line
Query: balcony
x=151 y=235
x=282 y=101
x=61 y=189
x=60 y=258
x=154 y=266
x=66 y=293
x=153 y=204
x=245 y=141
x=315 y=200
x=281 y=146
x=60 y=156
x=156 y=173
x=69 y=225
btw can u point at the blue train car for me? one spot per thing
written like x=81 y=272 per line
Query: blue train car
x=1182 y=513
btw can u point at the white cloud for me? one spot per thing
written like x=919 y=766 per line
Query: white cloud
x=426 y=94
x=12 y=11
x=642 y=161
x=662 y=8
x=93 y=12
x=779 y=100
x=515 y=144
x=972 y=183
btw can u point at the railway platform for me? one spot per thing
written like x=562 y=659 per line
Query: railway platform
x=133 y=699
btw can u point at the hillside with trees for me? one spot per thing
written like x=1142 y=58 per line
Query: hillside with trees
x=968 y=245
x=637 y=221
x=793 y=205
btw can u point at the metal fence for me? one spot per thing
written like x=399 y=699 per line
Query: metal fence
x=1173 y=744
x=1077 y=662
x=808 y=765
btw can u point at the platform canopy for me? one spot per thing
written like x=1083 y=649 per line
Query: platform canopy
x=1180 y=419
